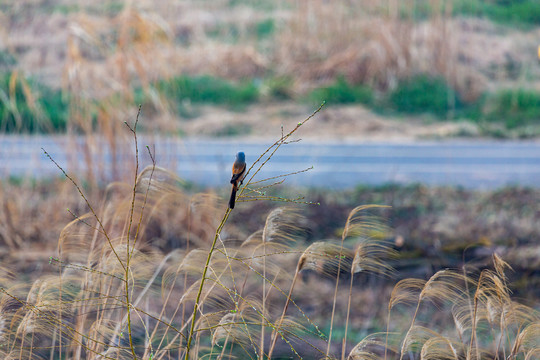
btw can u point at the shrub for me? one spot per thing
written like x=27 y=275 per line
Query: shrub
x=208 y=89
x=265 y=28
x=424 y=94
x=503 y=11
x=514 y=107
x=341 y=92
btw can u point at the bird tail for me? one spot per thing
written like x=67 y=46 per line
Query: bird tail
x=233 y=197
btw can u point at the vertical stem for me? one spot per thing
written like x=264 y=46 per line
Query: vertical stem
x=474 y=340
x=336 y=289
x=203 y=278
x=185 y=274
x=128 y=255
x=128 y=305
x=334 y=303
x=410 y=328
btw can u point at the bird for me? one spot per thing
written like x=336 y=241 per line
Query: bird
x=238 y=173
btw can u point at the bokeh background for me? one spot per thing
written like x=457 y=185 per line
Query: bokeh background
x=232 y=73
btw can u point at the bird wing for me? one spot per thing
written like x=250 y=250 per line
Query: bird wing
x=238 y=171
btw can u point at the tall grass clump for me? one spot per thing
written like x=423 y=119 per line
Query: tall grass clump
x=29 y=107
x=341 y=92
x=486 y=322
x=116 y=296
x=514 y=107
x=208 y=89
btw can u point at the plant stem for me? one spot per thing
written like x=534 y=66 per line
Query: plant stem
x=203 y=278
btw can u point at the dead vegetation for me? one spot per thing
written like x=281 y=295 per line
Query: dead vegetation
x=102 y=54
x=253 y=302
x=145 y=274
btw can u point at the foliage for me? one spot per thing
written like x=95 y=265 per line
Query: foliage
x=27 y=106
x=503 y=11
x=424 y=94
x=342 y=92
x=265 y=28
x=514 y=107
x=208 y=89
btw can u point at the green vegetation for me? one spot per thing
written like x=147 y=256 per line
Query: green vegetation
x=511 y=12
x=514 y=107
x=503 y=11
x=265 y=28
x=342 y=92
x=208 y=89
x=424 y=94
x=256 y=4
x=66 y=8
x=29 y=107
x=508 y=109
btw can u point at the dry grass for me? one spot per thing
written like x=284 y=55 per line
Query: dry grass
x=81 y=310
x=118 y=295
x=80 y=313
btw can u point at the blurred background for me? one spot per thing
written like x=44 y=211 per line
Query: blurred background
x=431 y=107
x=389 y=71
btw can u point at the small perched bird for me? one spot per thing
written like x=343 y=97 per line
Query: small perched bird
x=238 y=173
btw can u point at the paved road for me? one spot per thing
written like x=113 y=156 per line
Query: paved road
x=484 y=164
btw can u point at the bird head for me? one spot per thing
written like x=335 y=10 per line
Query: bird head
x=241 y=157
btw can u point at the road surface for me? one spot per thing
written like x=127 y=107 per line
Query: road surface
x=471 y=164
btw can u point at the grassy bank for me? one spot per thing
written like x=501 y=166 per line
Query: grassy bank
x=446 y=60
x=29 y=107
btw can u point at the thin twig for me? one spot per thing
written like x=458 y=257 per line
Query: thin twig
x=89 y=206
x=260 y=164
